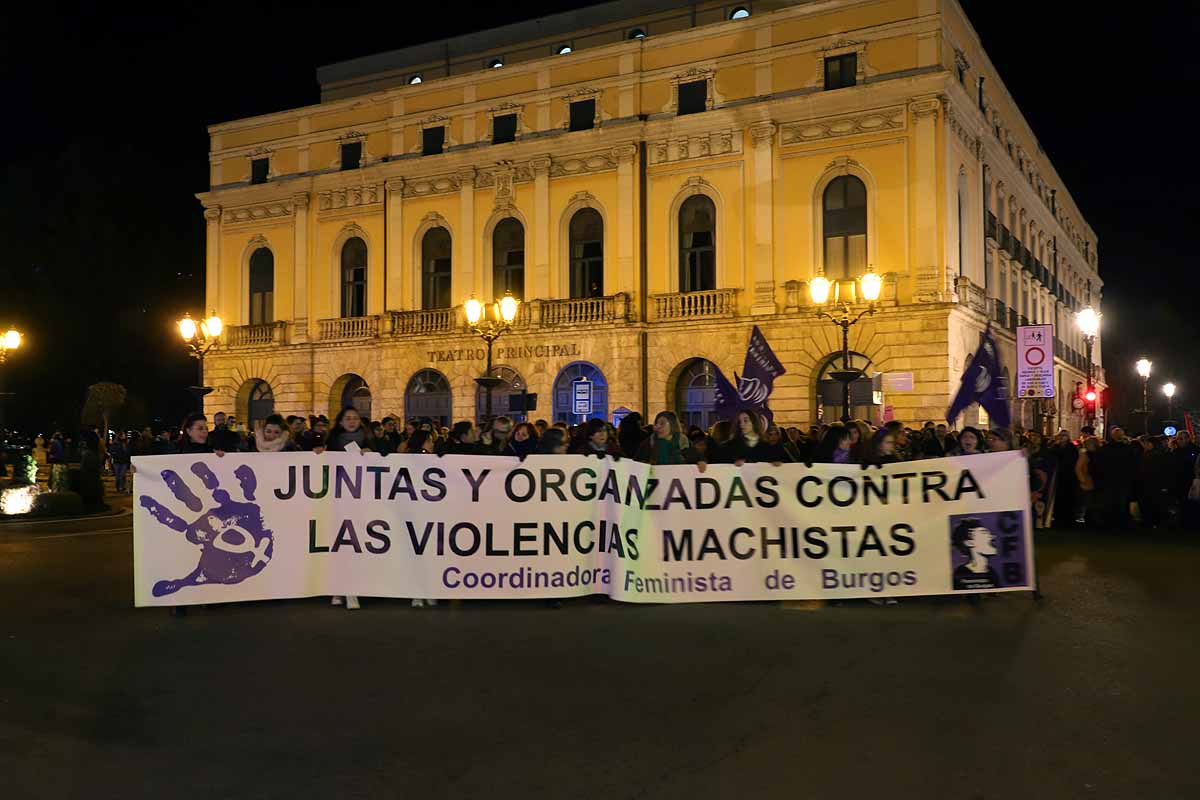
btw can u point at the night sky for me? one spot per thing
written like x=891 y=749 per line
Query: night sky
x=105 y=146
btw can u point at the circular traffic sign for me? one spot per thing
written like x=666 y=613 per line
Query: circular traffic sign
x=1034 y=356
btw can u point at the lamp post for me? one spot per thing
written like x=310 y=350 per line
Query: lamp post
x=504 y=311
x=1143 y=367
x=819 y=290
x=1088 y=322
x=1169 y=391
x=200 y=337
x=10 y=340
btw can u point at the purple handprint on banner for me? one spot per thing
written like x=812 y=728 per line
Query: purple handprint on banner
x=234 y=544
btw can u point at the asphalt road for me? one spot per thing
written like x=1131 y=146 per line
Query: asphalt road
x=1095 y=693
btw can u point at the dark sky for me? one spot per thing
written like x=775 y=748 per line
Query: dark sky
x=97 y=261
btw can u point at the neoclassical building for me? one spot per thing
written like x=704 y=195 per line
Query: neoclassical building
x=651 y=179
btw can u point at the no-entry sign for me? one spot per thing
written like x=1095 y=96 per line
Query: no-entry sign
x=1035 y=361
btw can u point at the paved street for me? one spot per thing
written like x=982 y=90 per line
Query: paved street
x=1093 y=694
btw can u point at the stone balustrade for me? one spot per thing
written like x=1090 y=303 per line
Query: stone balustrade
x=694 y=305
x=255 y=335
x=342 y=328
x=583 y=310
x=417 y=323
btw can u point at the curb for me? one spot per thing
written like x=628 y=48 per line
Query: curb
x=110 y=514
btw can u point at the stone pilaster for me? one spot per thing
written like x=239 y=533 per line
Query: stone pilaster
x=626 y=232
x=538 y=285
x=212 y=260
x=928 y=284
x=300 y=267
x=465 y=278
x=393 y=198
x=763 y=137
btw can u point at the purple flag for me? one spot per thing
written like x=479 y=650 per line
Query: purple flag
x=983 y=382
x=755 y=383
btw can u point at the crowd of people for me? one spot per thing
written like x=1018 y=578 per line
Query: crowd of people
x=1110 y=483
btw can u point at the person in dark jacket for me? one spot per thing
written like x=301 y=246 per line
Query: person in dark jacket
x=524 y=440
x=462 y=441
x=1114 y=468
x=629 y=435
x=834 y=447
x=749 y=445
x=554 y=441
x=1158 y=480
x=222 y=438
x=881 y=448
x=195 y=436
x=348 y=427
x=593 y=441
x=663 y=447
x=776 y=435
x=118 y=451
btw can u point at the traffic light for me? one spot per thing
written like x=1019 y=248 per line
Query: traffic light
x=1089 y=401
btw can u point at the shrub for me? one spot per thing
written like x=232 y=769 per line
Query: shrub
x=58 y=504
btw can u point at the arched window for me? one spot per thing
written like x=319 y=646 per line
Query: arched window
x=435 y=269
x=830 y=390
x=428 y=395
x=354 y=278
x=508 y=258
x=844 y=209
x=261 y=403
x=564 y=393
x=697 y=244
x=511 y=383
x=262 y=287
x=587 y=253
x=357 y=394
x=696 y=394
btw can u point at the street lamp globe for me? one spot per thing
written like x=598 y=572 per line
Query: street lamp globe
x=12 y=339
x=818 y=290
x=187 y=328
x=212 y=326
x=871 y=285
x=508 y=307
x=1088 y=322
x=474 y=311
x=1169 y=390
x=1143 y=367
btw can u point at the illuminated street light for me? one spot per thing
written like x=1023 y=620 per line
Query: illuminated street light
x=1088 y=323
x=1169 y=391
x=1143 y=367
x=819 y=292
x=504 y=313
x=200 y=338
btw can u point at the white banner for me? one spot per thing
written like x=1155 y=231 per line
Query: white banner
x=282 y=525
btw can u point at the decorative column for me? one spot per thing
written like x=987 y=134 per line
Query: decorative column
x=464 y=280
x=393 y=198
x=926 y=257
x=212 y=260
x=626 y=232
x=539 y=286
x=763 y=137
x=300 y=267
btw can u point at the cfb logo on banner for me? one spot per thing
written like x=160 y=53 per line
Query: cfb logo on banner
x=1035 y=361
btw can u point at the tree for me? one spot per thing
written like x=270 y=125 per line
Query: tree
x=102 y=400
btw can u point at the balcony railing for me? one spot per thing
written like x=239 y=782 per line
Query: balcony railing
x=343 y=328
x=690 y=305
x=251 y=335
x=415 y=323
x=1012 y=319
x=1005 y=239
x=971 y=296
x=1001 y=312
x=989 y=225
x=580 y=310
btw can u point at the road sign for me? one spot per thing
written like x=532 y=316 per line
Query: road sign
x=1035 y=361
x=581 y=393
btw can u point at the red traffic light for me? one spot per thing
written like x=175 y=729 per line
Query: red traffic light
x=1090 y=396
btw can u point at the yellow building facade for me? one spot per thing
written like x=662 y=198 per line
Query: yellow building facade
x=651 y=180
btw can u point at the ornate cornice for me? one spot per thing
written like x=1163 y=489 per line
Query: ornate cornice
x=300 y=201
x=439 y=184
x=348 y=197
x=884 y=119
x=282 y=208
x=583 y=164
x=624 y=153
x=927 y=107
x=715 y=143
x=763 y=133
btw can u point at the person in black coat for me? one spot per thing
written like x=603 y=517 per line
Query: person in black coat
x=462 y=441
x=195 y=436
x=749 y=444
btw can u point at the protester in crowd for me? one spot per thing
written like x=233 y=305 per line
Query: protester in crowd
x=1115 y=468
x=349 y=428
x=881 y=449
x=541 y=426
x=774 y=435
x=383 y=445
x=749 y=444
x=495 y=436
x=272 y=435
x=222 y=437
x=629 y=434
x=594 y=440
x=524 y=440
x=391 y=433
x=860 y=438
x=420 y=442
x=1066 y=493
x=663 y=446
x=118 y=451
x=552 y=442
x=463 y=440
x=1083 y=477
x=1157 y=482
x=196 y=436
x=296 y=429
x=701 y=448
x=998 y=440
x=1183 y=459
x=970 y=440
x=834 y=447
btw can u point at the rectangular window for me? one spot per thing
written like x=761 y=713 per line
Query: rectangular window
x=504 y=128
x=583 y=115
x=840 y=71
x=259 y=167
x=693 y=97
x=433 y=141
x=351 y=155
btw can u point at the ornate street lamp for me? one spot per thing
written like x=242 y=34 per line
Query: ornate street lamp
x=1143 y=367
x=200 y=337
x=1088 y=322
x=819 y=290
x=10 y=340
x=504 y=312
x=1169 y=391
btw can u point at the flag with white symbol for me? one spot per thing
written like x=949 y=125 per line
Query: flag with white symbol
x=983 y=382
x=754 y=385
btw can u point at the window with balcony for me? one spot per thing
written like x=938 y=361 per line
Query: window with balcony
x=354 y=278
x=697 y=244
x=693 y=97
x=433 y=140
x=508 y=258
x=583 y=115
x=262 y=287
x=435 y=269
x=504 y=128
x=844 y=218
x=351 y=155
x=587 y=254
x=841 y=71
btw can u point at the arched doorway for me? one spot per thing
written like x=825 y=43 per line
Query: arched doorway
x=829 y=393
x=511 y=382
x=564 y=392
x=428 y=395
x=260 y=404
x=696 y=394
x=351 y=390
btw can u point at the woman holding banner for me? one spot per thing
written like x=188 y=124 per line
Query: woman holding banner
x=663 y=447
x=834 y=447
x=749 y=444
x=349 y=432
